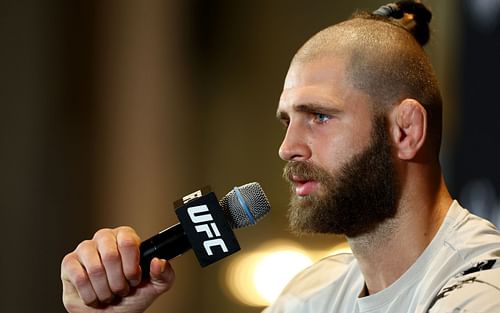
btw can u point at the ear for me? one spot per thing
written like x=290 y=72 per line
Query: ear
x=409 y=128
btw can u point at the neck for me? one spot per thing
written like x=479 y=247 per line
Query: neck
x=420 y=214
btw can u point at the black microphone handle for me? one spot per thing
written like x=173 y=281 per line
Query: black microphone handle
x=167 y=244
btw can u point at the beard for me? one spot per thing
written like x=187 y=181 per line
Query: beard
x=360 y=196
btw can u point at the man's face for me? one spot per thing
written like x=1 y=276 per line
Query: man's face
x=338 y=153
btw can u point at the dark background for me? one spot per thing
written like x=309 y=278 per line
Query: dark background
x=476 y=174
x=113 y=109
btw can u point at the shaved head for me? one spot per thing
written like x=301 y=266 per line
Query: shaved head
x=385 y=61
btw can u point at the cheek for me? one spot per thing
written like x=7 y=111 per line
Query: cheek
x=332 y=152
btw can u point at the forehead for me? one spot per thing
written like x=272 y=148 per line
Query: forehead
x=319 y=70
x=321 y=81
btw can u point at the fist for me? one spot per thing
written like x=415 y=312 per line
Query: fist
x=103 y=274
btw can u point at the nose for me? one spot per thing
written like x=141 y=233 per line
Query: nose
x=294 y=146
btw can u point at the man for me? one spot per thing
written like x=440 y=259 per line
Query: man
x=362 y=112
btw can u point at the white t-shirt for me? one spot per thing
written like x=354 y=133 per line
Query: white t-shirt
x=458 y=272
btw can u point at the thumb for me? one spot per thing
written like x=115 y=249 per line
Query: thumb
x=162 y=275
x=161 y=280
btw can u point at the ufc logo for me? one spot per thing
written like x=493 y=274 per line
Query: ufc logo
x=205 y=224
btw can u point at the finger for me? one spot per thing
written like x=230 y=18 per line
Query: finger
x=91 y=261
x=111 y=259
x=162 y=275
x=76 y=282
x=128 y=243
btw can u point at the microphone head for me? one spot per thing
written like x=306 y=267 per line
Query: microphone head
x=245 y=205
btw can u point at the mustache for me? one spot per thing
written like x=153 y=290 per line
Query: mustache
x=304 y=170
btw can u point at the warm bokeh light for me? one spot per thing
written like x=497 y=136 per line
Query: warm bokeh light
x=257 y=278
x=238 y=278
x=275 y=270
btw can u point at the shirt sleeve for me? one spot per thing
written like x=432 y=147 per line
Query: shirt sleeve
x=310 y=282
x=477 y=289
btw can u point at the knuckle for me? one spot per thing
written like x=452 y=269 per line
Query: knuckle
x=128 y=242
x=67 y=260
x=68 y=268
x=96 y=271
x=125 y=228
x=120 y=288
x=128 y=233
x=102 y=233
x=85 y=246
x=80 y=280
x=110 y=256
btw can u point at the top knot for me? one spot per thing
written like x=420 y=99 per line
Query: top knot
x=413 y=16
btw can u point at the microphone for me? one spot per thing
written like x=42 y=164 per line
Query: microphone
x=206 y=226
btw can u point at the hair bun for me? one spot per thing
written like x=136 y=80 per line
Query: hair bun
x=413 y=16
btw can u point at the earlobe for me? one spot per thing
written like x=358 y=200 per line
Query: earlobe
x=410 y=128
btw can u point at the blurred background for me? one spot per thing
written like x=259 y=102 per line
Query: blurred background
x=111 y=110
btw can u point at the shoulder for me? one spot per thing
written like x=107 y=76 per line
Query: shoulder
x=475 y=289
x=471 y=237
x=312 y=282
x=470 y=225
x=319 y=275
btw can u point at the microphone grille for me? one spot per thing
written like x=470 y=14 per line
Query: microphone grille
x=245 y=205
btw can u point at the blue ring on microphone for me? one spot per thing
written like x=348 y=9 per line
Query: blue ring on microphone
x=244 y=205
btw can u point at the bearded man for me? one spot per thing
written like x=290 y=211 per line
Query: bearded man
x=362 y=111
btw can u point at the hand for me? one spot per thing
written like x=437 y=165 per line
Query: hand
x=103 y=275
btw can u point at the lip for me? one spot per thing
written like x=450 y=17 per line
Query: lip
x=304 y=187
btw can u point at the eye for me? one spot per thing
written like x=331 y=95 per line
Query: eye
x=321 y=118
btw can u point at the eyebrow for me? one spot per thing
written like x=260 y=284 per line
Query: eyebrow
x=309 y=108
